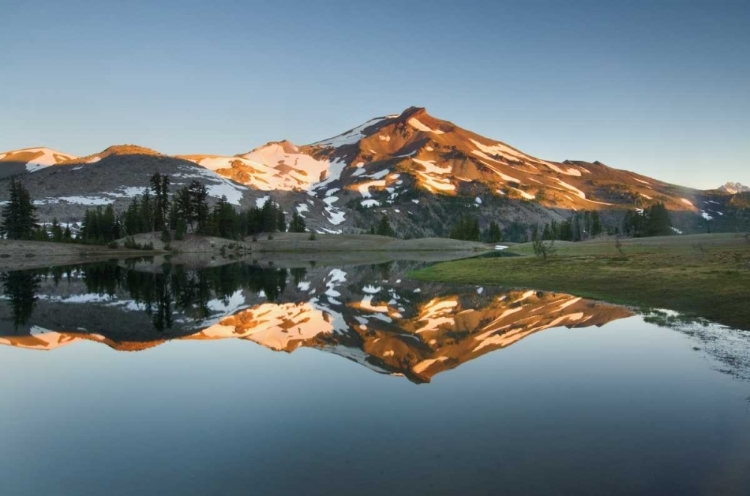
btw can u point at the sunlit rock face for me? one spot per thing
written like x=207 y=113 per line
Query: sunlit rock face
x=372 y=315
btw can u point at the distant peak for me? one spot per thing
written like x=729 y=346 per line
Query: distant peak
x=129 y=150
x=734 y=188
x=412 y=112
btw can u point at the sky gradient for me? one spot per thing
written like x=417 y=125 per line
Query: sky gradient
x=660 y=88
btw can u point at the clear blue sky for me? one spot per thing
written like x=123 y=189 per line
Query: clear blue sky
x=661 y=88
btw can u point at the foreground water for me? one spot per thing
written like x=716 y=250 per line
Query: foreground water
x=356 y=380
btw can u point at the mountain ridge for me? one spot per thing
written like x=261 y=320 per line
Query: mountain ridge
x=734 y=187
x=395 y=161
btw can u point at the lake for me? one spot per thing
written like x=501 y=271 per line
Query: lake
x=131 y=378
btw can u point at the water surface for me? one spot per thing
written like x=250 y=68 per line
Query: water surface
x=354 y=379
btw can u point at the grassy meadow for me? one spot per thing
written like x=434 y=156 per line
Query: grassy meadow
x=704 y=275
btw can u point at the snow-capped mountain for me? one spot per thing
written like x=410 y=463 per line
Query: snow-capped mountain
x=734 y=188
x=30 y=160
x=388 y=155
x=420 y=170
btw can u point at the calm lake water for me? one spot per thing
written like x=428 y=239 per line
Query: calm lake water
x=239 y=380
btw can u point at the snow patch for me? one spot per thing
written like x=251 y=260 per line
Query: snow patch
x=350 y=137
x=413 y=122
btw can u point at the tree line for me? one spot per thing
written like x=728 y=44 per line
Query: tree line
x=187 y=211
x=652 y=221
x=156 y=210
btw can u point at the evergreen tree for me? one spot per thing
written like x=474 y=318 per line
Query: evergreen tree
x=160 y=189
x=225 y=220
x=466 y=229
x=19 y=215
x=384 y=227
x=199 y=201
x=493 y=233
x=596 y=223
x=146 y=213
x=297 y=223
x=576 y=229
x=180 y=229
x=653 y=221
x=57 y=232
x=657 y=221
x=100 y=226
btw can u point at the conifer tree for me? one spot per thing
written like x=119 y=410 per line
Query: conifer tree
x=19 y=215
x=297 y=223
x=384 y=227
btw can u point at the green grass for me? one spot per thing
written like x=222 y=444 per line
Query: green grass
x=704 y=275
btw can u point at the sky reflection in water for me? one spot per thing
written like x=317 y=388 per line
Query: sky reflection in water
x=624 y=408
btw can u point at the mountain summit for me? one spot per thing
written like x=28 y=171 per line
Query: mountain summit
x=734 y=188
x=388 y=156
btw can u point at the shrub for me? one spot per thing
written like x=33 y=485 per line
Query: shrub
x=543 y=249
x=311 y=237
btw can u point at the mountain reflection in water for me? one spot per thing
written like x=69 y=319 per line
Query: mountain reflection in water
x=372 y=315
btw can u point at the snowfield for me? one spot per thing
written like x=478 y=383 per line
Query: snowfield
x=36 y=158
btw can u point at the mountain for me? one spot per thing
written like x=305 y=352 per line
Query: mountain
x=734 y=188
x=396 y=153
x=30 y=160
x=423 y=172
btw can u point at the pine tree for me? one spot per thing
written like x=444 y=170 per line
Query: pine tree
x=146 y=213
x=19 y=215
x=199 y=202
x=384 y=227
x=297 y=223
x=493 y=233
x=466 y=229
x=657 y=221
x=160 y=189
x=596 y=223
x=180 y=229
x=57 y=232
x=185 y=207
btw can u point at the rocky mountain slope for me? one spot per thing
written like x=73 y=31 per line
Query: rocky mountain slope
x=422 y=171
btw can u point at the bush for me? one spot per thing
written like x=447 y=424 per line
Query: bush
x=166 y=237
x=311 y=237
x=113 y=245
x=543 y=249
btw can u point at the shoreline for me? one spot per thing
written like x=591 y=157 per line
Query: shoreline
x=293 y=248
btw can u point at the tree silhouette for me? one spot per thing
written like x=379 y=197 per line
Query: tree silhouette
x=20 y=288
x=19 y=215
